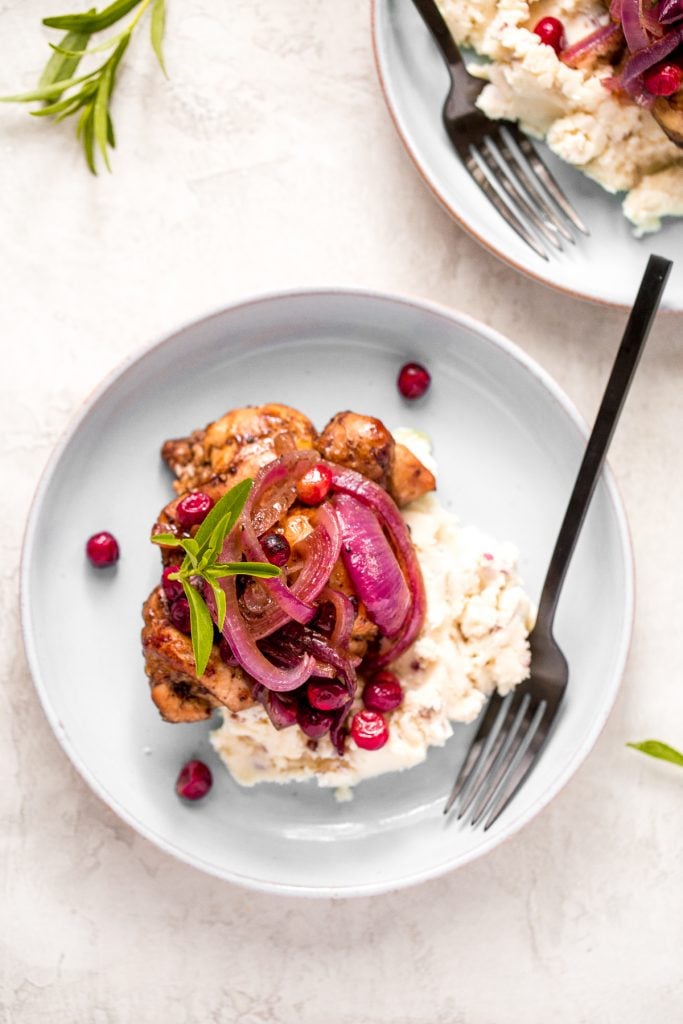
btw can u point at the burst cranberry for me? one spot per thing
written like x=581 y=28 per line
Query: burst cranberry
x=194 y=781
x=413 y=380
x=383 y=692
x=172 y=588
x=276 y=547
x=663 y=80
x=102 y=550
x=369 y=730
x=314 y=486
x=326 y=694
x=193 y=509
x=179 y=614
x=313 y=722
x=551 y=32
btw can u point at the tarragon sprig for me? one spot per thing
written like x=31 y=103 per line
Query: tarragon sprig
x=202 y=563
x=662 y=751
x=64 y=93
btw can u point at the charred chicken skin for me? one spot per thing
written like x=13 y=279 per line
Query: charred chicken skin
x=213 y=460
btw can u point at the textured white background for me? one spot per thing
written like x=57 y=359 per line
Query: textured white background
x=269 y=160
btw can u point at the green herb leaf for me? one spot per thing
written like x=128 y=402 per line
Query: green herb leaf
x=92 y=22
x=167 y=540
x=201 y=625
x=47 y=92
x=156 y=31
x=223 y=517
x=659 y=750
x=262 y=570
x=219 y=598
x=60 y=65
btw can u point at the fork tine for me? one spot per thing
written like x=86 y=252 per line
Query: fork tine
x=513 y=772
x=530 y=182
x=514 y=187
x=502 y=207
x=481 y=791
x=488 y=730
x=545 y=176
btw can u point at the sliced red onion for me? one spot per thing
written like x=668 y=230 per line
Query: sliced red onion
x=243 y=646
x=321 y=550
x=328 y=655
x=345 y=615
x=631 y=22
x=615 y=10
x=646 y=58
x=347 y=481
x=338 y=730
x=371 y=565
x=669 y=11
x=292 y=606
x=274 y=489
x=590 y=45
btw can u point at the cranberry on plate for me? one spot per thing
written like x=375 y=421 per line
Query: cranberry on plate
x=172 y=588
x=551 y=32
x=369 y=730
x=383 y=692
x=663 y=79
x=102 y=549
x=193 y=509
x=413 y=381
x=194 y=781
x=179 y=614
x=314 y=485
x=326 y=694
x=276 y=547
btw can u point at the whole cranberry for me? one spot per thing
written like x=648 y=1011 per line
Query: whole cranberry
x=663 y=79
x=193 y=509
x=551 y=32
x=172 y=588
x=413 y=380
x=314 y=486
x=326 y=694
x=102 y=549
x=369 y=730
x=383 y=693
x=313 y=722
x=194 y=781
x=179 y=614
x=276 y=547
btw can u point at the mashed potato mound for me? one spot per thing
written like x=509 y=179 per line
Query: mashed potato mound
x=616 y=143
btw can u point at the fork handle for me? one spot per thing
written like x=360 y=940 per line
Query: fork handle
x=433 y=19
x=625 y=364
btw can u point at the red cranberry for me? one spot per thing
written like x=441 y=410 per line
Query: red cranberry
x=276 y=547
x=551 y=32
x=326 y=694
x=313 y=722
x=172 y=588
x=383 y=692
x=369 y=730
x=194 y=780
x=193 y=509
x=314 y=486
x=663 y=79
x=102 y=549
x=179 y=614
x=413 y=380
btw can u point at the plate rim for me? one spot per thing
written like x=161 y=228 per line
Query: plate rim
x=73 y=425
x=421 y=169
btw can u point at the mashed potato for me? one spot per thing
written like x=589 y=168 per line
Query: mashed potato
x=616 y=143
x=474 y=641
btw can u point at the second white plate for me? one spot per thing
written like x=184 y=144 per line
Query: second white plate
x=606 y=267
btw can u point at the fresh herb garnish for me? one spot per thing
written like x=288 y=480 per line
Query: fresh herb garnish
x=63 y=93
x=660 y=750
x=201 y=563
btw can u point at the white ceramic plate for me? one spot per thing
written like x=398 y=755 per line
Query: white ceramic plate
x=508 y=443
x=606 y=267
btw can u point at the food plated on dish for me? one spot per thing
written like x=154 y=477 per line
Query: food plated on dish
x=387 y=623
x=603 y=84
x=508 y=443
